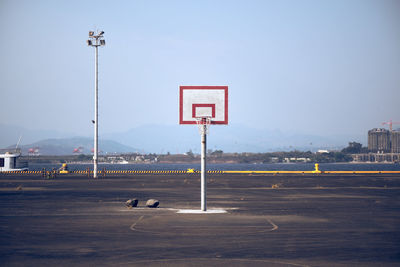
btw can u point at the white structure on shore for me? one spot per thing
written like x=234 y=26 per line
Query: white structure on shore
x=9 y=161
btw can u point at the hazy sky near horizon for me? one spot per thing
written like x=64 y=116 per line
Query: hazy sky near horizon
x=322 y=67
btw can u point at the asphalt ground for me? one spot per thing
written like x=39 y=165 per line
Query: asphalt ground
x=271 y=220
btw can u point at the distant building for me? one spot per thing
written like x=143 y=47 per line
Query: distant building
x=383 y=146
x=289 y=160
x=395 y=140
x=379 y=140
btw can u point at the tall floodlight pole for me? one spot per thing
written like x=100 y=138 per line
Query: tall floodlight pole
x=96 y=40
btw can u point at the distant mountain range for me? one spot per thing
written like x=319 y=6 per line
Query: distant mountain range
x=231 y=138
x=174 y=139
x=9 y=134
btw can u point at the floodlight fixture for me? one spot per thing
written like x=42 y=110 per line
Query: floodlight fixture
x=96 y=39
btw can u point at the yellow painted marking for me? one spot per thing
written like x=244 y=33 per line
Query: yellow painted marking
x=311 y=172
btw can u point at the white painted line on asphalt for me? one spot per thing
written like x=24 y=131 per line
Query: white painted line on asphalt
x=274 y=226
x=134 y=224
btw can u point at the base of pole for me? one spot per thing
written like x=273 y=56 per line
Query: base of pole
x=211 y=211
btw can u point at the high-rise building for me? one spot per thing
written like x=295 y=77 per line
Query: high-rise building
x=379 y=140
x=395 y=138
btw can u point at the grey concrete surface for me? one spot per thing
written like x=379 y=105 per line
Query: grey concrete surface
x=281 y=220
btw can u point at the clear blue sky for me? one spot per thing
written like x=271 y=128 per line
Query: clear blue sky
x=322 y=67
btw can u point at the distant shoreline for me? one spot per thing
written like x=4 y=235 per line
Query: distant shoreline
x=295 y=157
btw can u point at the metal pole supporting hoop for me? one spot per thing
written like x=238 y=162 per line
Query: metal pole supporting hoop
x=204 y=124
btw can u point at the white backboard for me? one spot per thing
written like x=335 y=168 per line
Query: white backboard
x=203 y=101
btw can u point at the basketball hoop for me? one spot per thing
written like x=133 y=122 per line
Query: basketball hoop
x=203 y=105
x=204 y=124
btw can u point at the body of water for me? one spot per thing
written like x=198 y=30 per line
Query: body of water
x=226 y=167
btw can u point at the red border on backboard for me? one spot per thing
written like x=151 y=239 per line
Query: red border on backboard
x=212 y=106
x=191 y=87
